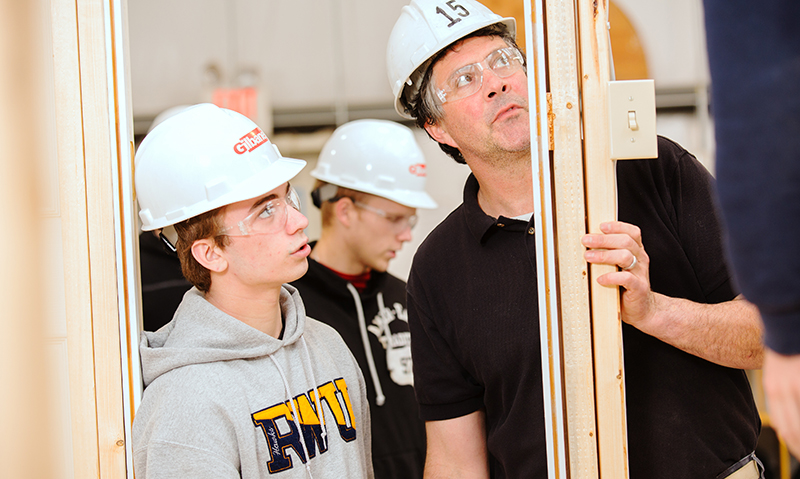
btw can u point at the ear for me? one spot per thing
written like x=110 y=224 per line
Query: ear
x=344 y=209
x=209 y=255
x=440 y=134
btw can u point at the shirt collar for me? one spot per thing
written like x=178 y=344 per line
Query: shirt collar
x=481 y=225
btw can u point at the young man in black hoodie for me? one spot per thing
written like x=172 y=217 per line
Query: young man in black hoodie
x=371 y=178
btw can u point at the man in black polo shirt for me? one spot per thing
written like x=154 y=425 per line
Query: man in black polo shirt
x=456 y=70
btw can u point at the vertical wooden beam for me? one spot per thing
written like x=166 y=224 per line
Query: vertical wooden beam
x=72 y=187
x=571 y=225
x=601 y=206
x=25 y=444
x=86 y=146
x=100 y=147
x=544 y=221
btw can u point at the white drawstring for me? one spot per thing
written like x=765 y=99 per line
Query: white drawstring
x=380 y=399
x=296 y=416
x=317 y=395
x=386 y=329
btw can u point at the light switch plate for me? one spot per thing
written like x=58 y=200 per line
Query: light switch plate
x=632 y=119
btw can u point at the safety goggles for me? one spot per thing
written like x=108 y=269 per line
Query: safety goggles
x=468 y=79
x=399 y=222
x=268 y=218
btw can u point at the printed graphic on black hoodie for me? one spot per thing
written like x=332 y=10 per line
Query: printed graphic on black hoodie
x=374 y=324
x=396 y=342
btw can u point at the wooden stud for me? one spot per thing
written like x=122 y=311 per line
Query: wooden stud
x=544 y=220
x=74 y=236
x=601 y=206
x=26 y=415
x=85 y=151
x=571 y=225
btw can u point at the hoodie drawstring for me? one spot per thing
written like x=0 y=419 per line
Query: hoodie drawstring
x=380 y=399
x=295 y=414
x=317 y=395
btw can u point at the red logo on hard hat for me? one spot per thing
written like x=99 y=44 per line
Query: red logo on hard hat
x=250 y=141
x=417 y=170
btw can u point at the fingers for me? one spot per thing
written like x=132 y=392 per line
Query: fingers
x=619 y=244
x=615 y=235
x=619 y=257
x=619 y=227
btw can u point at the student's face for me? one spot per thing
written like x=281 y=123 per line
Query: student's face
x=272 y=258
x=494 y=120
x=376 y=238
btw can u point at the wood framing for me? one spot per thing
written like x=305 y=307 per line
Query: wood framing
x=86 y=145
x=544 y=221
x=584 y=195
x=594 y=61
x=563 y=74
x=26 y=417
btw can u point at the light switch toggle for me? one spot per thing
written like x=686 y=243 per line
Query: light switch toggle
x=632 y=121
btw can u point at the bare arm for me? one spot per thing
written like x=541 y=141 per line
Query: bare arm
x=728 y=334
x=457 y=448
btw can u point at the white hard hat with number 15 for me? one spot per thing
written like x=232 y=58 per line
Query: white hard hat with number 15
x=426 y=27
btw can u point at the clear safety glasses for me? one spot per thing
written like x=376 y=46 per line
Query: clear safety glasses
x=268 y=218
x=468 y=79
x=399 y=222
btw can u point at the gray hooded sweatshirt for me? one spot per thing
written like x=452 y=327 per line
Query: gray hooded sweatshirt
x=224 y=400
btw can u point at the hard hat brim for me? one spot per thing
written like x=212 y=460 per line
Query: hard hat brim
x=280 y=171
x=415 y=199
x=410 y=198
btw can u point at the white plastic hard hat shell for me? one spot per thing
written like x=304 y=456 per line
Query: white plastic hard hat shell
x=378 y=157
x=203 y=158
x=424 y=28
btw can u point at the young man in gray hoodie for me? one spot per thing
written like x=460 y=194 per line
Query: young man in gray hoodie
x=240 y=383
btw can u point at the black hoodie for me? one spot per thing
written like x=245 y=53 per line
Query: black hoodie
x=398 y=434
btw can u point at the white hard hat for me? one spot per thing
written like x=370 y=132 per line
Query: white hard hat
x=168 y=113
x=426 y=27
x=202 y=158
x=378 y=157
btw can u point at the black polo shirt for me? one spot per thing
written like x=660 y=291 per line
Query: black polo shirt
x=473 y=315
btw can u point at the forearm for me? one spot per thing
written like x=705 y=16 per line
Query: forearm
x=728 y=334
x=457 y=448
x=438 y=467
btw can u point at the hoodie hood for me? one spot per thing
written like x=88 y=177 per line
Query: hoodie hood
x=200 y=333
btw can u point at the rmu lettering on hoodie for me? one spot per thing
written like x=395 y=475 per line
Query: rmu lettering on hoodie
x=278 y=424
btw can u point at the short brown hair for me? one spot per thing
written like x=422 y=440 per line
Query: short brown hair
x=326 y=207
x=206 y=225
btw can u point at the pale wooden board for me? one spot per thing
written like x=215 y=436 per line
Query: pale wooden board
x=99 y=150
x=72 y=187
x=85 y=152
x=27 y=438
x=546 y=245
x=601 y=206
x=570 y=219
